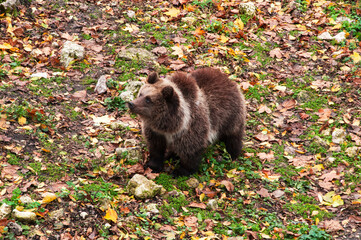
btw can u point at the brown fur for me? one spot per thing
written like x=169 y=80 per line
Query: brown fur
x=187 y=112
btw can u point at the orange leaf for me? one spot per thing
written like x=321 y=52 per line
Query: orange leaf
x=199 y=32
x=111 y=215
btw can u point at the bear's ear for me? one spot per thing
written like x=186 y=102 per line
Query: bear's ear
x=153 y=78
x=167 y=92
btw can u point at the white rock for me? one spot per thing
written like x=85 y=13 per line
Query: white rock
x=70 y=52
x=153 y=208
x=340 y=37
x=134 y=86
x=338 y=136
x=15 y=228
x=325 y=36
x=130 y=13
x=248 y=8
x=5 y=210
x=9 y=4
x=26 y=199
x=127 y=96
x=83 y=215
x=212 y=204
x=344 y=19
x=142 y=188
x=130 y=142
x=278 y=193
x=24 y=216
x=107 y=225
x=352 y=151
x=130 y=153
x=101 y=86
x=40 y=75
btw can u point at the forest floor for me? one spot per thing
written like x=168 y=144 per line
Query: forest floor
x=300 y=174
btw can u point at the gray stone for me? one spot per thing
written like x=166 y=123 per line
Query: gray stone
x=142 y=188
x=9 y=5
x=119 y=125
x=40 y=75
x=338 y=135
x=26 y=200
x=5 y=210
x=192 y=183
x=24 y=216
x=15 y=228
x=344 y=19
x=83 y=215
x=153 y=208
x=352 y=151
x=127 y=96
x=130 y=13
x=56 y=214
x=101 y=86
x=340 y=37
x=278 y=193
x=130 y=153
x=248 y=8
x=303 y=96
x=70 y=52
x=325 y=36
x=212 y=204
x=130 y=143
x=319 y=141
x=137 y=54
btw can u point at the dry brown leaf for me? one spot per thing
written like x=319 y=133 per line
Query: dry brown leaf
x=229 y=185
x=266 y=156
x=330 y=176
x=197 y=205
x=331 y=226
x=324 y=114
x=276 y=53
x=264 y=192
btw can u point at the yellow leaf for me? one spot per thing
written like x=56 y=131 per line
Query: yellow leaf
x=201 y=197
x=49 y=197
x=239 y=24
x=21 y=120
x=337 y=201
x=356 y=57
x=223 y=39
x=5 y=46
x=172 y=12
x=111 y=215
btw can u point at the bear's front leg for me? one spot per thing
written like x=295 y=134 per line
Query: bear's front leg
x=189 y=164
x=157 y=146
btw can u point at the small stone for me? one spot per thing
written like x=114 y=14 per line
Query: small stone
x=127 y=96
x=83 y=215
x=58 y=225
x=278 y=193
x=212 y=204
x=352 y=151
x=340 y=37
x=24 y=216
x=107 y=226
x=130 y=13
x=119 y=125
x=319 y=141
x=101 y=86
x=338 y=136
x=153 y=208
x=130 y=153
x=192 y=183
x=248 y=8
x=344 y=19
x=70 y=52
x=5 y=210
x=40 y=75
x=325 y=36
x=15 y=228
x=56 y=214
x=130 y=143
x=134 y=86
x=303 y=96
x=26 y=199
x=142 y=188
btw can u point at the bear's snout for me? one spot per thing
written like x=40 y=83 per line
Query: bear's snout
x=131 y=106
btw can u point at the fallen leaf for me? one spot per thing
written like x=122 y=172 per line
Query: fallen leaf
x=172 y=12
x=178 y=51
x=331 y=226
x=239 y=23
x=264 y=192
x=111 y=215
x=355 y=57
x=324 y=114
x=198 y=205
x=276 y=53
x=229 y=185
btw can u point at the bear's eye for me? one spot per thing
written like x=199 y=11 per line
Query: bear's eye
x=148 y=100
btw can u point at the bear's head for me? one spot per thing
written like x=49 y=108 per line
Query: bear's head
x=157 y=102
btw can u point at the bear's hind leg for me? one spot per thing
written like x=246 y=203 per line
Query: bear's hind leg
x=233 y=145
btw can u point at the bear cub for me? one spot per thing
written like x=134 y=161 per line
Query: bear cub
x=184 y=113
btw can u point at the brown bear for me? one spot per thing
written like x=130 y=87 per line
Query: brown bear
x=184 y=113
